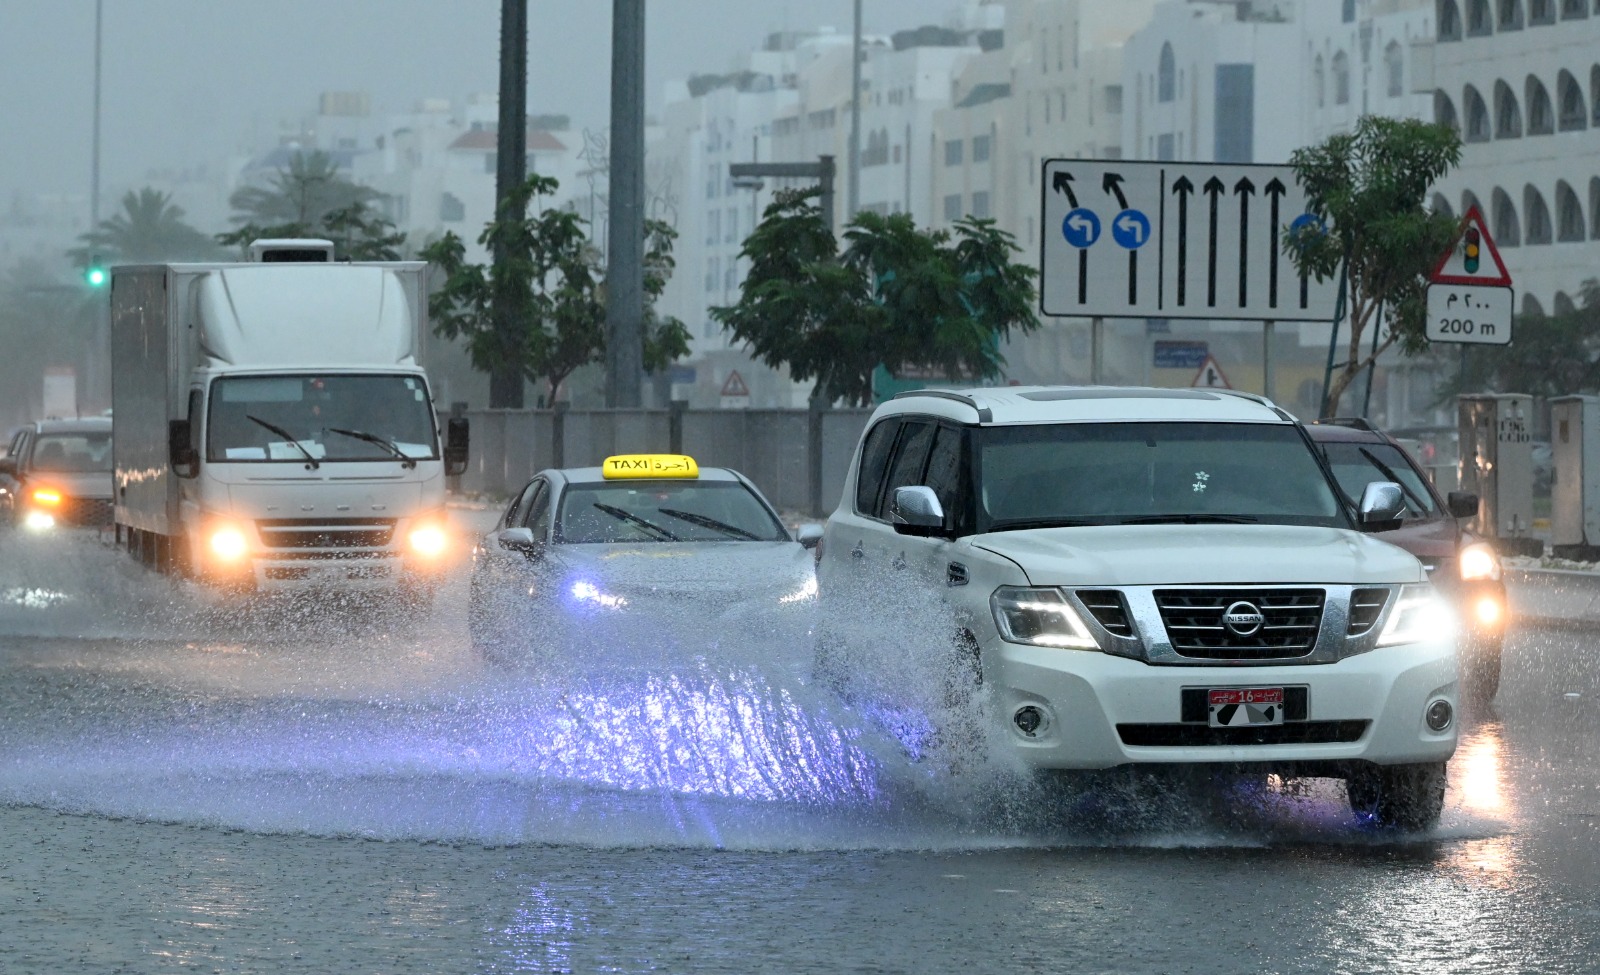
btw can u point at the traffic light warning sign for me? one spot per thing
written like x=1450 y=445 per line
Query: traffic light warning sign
x=1463 y=263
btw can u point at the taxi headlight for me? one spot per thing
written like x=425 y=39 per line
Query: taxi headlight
x=1040 y=618
x=588 y=593
x=49 y=497
x=806 y=593
x=228 y=543
x=1479 y=561
x=1418 y=615
x=428 y=541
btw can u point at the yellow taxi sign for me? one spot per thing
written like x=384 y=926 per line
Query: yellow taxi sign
x=625 y=466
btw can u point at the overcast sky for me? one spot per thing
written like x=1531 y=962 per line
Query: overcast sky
x=187 y=82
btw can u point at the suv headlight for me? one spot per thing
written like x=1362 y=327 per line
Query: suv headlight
x=1479 y=561
x=1419 y=614
x=1040 y=618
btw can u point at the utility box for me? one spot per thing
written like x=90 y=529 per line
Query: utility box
x=1575 y=493
x=1497 y=466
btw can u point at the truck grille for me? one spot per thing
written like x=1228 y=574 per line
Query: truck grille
x=1194 y=622
x=336 y=533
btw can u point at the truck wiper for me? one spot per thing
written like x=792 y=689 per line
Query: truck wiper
x=384 y=442
x=629 y=516
x=286 y=435
x=1192 y=519
x=732 y=531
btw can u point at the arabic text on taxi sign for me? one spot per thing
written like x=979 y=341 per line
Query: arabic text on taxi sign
x=649 y=465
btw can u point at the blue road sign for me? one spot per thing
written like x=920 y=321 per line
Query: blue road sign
x=1180 y=354
x=1081 y=228
x=1131 y=229
x=1303 y=221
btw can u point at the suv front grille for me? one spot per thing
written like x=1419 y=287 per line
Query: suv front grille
x=302 y=533
x=1194 y=622
x=1366 y=605
x=1109 y=610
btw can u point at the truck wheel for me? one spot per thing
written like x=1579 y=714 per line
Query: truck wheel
x=1405 y=797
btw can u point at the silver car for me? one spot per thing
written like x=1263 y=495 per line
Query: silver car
x=645 y=551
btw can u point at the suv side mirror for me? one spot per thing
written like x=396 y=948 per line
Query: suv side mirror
x=1382 y=504
x=915 y=510
x=1462 y=504
x=458 y=435
x=185 y=460
x=809 y=536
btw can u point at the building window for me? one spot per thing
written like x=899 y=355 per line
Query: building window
x=714 y=274
x=1166 y=75
x=980 y=205
x=1319 y=83
x=1477 y=114
x=1507 y=114
x=1395 y=66
x=952 y=208
x=1341 y=79
x=1441 y=205
x=1510 y=15
x=1444 y=113
x=1113 y=102
x=1166 y=147
x=730 y=277
x=1541 y=115
x=1594 y=208
x=1469 y=202
x=1539 y=230
x=1479 y=23
x=1574 y=113
x=451 y=209
x=981 y=147
x=1574 y=9
x=491 y=162
x=732 y=236
x=1569 y=214
x=1449 y=21
x=1348 y=15
x=952 y=152
x=1507 y=231
x=1531 y=308
x=713 y=226
x=1594 y=95
x=1236 y=118
x=1541 y=12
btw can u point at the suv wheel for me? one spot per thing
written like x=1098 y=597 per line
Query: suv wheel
x=1480 y=674
x=1406 y=797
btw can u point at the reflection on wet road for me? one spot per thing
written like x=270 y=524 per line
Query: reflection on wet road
x=286 y=787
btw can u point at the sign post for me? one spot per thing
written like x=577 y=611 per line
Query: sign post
x=1469 y=299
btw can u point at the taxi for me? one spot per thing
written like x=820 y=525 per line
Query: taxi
x=589 y=559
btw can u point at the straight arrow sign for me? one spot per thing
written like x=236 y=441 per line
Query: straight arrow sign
x=1214 y=188
x=1184 y=189
x=1274 y=189
x=1245 y=189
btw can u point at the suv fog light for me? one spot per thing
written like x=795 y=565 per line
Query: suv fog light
x=1029 y=720
x=1439 y=715
x=1488 y=611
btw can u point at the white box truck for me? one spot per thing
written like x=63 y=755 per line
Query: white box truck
x=274 y=425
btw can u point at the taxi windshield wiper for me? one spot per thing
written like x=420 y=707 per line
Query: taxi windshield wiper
x=286 y=435
x=1191 y=519
x=732 y=531
x=632 y=518
x=383 y=442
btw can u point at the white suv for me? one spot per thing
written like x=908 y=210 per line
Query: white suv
x=1159 y=577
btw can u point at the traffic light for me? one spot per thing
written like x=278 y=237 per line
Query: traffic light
x=1470 y=254
x=94 y=276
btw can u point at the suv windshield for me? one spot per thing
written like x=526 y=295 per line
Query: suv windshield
x=72 y=453
x=665 y=511
x=331 y=417
x=1150 y=473
x=1355 y=465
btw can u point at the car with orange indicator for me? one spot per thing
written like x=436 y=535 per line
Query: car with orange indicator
x=1464 y=568
x=57 y=474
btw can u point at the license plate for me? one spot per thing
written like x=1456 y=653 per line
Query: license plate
x=1244 y=707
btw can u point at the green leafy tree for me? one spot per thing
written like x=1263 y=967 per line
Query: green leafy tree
x=1371 y=184
x=1554 y=355
x=149 y=229
x=310 y=198
x=896 y=296
x=557 y=281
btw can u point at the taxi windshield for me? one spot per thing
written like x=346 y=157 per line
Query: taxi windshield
x=1070 y=474
x=72 y=453
x=1355 y=465
x=665 y=511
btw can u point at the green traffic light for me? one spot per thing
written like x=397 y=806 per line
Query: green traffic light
x=96 y=276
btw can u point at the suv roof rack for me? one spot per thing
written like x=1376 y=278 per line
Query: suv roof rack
x=1353 y=422
x=985 y=415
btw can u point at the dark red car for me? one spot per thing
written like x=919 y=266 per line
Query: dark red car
x=1462 y=566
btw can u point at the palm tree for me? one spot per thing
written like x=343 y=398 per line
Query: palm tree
x=304 y=194
x=150 y=228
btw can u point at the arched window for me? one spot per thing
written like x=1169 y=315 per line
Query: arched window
x=1574 y=113
x=1479 y=23
x=1594 y=93
x=1318 y=82
x=1394 y=64
x=1541 y=114
x=1167 y=75
x=1594 y=208
x=1341 y=79
x=1507 y=231
x=1510 y=15
x=1477 y=115
x=1569 y=214
x=1469 y=202
x=1531 y=307
x=1449 y=20
x=1507 y=114
x=1349 y=12
x=1441 y=205
x=1562 y=305
x=1539 y=230
x=1541 y=12
x=1444 y=111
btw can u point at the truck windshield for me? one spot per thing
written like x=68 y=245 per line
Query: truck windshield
x=1068 y=474
x=665 y=511
x=331 y=417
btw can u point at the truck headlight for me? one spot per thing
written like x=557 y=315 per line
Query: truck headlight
x=228 y=543
x=1418 y=615
x=428 y=541
x=1479 y=561
x=1040 y=618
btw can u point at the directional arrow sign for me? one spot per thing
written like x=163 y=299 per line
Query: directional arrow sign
x=1190 y=251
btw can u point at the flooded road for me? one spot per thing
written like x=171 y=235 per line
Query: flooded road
x=190 y=784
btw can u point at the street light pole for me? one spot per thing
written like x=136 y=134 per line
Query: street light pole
x=94 y=160
x=853 y=198
x=511 y=169
x=625 y=243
